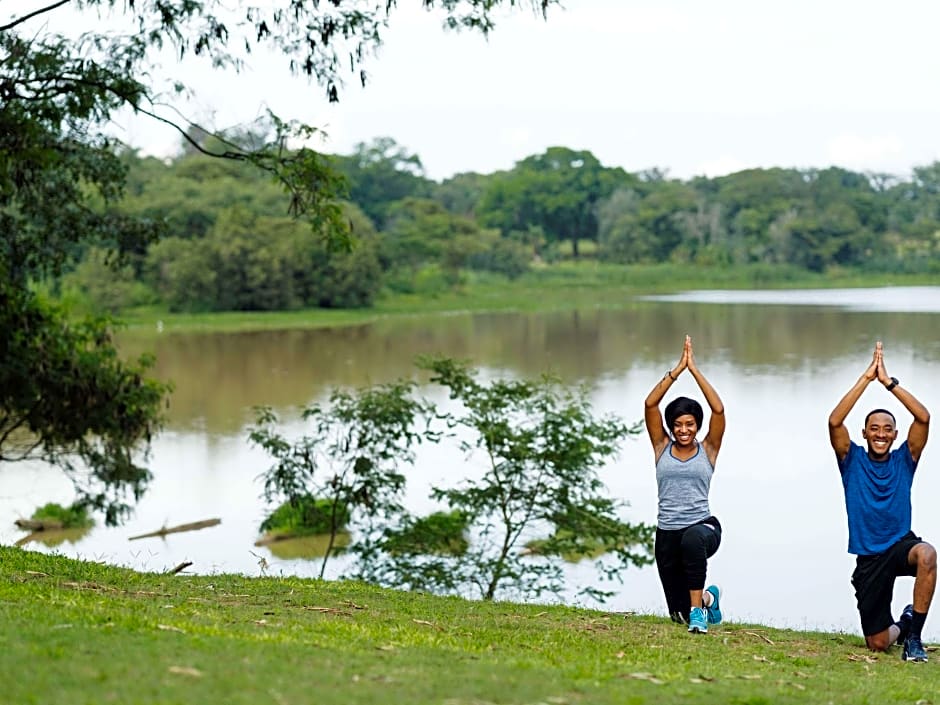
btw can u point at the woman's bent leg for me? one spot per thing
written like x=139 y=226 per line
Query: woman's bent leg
x=668 y=552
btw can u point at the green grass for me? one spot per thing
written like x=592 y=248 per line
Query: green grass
x=561 y=286
x=80 y=632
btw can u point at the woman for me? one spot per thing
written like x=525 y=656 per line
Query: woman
x=687 y=535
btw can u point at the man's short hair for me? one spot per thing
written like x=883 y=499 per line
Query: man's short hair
x=880 y=411
x=680 y=406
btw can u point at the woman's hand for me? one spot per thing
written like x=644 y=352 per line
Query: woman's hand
x=688 y=355
x=683 y=359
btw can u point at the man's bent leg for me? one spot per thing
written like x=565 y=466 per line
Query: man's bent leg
x=882 y=640
x=873 y=580
x=924 y=557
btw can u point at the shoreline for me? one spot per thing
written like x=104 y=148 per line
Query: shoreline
x=557 y=288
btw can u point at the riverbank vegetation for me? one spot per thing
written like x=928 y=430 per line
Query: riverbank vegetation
x=564 y=286
x=557 y=219
x=77 y=632
x=56 y=516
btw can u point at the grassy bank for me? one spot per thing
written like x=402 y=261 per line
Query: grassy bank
x=79 y=632
x=556 y=287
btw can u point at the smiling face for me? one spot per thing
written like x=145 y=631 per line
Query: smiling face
x=880 y=432
x=684 y=430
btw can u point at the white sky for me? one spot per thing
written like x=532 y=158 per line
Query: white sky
x=689 y=87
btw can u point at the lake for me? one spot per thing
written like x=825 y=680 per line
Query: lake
x=779 y=359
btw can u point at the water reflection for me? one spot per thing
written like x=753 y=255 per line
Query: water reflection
x=314 y=546
x=55 y=537
x=780 y=369
x=904 y=299
x=218 y=378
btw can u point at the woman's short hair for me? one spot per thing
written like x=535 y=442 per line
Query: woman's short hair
x=680 y=406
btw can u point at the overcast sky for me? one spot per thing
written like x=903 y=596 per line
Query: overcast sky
x=689 y=87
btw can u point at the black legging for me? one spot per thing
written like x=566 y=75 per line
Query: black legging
x=682 y=559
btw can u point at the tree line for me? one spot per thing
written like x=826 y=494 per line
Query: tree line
x=229 y=244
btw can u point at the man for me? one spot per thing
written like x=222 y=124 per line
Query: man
x=877 y=485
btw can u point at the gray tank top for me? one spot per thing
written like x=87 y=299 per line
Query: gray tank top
x=683 y=489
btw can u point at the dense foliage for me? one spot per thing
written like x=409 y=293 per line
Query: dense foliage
x=67 y=206
x=230 y=246
x=66 y=398
x=540 y=446
x=352 y=461
x=304 y=515
x=73 y=517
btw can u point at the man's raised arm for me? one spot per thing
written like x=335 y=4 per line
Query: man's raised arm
x=838 y=434
x=917 y=434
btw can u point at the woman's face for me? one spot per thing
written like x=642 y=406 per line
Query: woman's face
x=684 y=429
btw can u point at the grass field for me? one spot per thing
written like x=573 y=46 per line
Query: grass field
x=85 y=633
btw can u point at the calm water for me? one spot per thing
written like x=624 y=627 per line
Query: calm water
x=780 y=360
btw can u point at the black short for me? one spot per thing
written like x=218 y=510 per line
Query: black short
x=873 y=581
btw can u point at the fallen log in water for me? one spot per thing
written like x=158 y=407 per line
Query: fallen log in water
x=38 y=524
x=176 y=529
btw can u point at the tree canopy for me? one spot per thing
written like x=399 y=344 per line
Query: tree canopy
x=66 y=395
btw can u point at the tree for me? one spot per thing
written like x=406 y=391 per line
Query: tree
x=248 y=262
x=635 y=228
x=539 y=499
x=188 y=194
x=556 y=191
x=351 y=461
x=541 y=446
x=61 y=175
x=67 y=399
x=381 y=173
x=461 y=193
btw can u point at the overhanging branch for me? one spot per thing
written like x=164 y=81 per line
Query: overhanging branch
x=40 y=11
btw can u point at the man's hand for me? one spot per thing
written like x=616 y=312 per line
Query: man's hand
x=877 y=360
x=883 y=375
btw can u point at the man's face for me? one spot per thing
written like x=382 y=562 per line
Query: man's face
x=880 y=434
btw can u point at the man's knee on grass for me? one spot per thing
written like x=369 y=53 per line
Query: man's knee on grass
x=880 y=641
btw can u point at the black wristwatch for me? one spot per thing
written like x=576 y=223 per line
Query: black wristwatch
x=894 y=383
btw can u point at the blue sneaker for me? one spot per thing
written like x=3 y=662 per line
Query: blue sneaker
x=698 y=624
x=904 y=624
x=713 y=611
x=913 y=649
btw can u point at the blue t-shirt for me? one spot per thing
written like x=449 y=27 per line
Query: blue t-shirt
x=877 y=498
